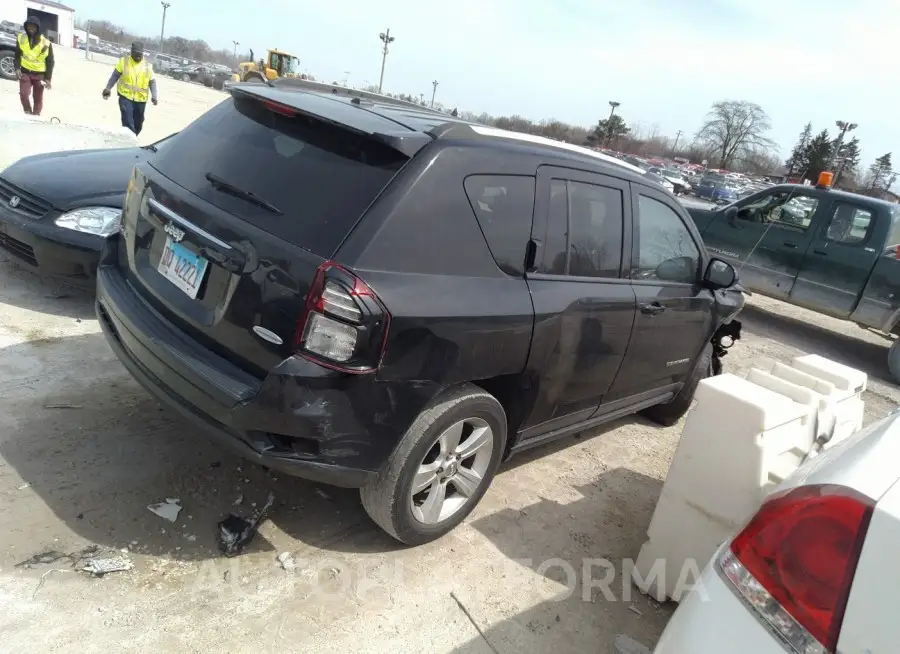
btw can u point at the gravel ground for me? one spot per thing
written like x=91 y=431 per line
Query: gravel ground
x=84 y=450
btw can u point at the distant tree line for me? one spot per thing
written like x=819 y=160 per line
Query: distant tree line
x=813 y=154
x=177 y=46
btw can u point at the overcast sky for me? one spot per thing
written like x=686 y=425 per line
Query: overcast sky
x=666 y=61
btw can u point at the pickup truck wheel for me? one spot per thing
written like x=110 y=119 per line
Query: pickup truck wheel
x=441 y=468
x=672 y=411
x=894 y=360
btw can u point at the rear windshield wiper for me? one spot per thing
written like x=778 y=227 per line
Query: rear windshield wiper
x=221 y=185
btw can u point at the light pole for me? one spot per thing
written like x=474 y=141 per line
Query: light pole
x=613 y=104
x=433 y=92
x=162 y=31
x=844 y=127
x=387 y=39
x=677 y=137
x=236 y=44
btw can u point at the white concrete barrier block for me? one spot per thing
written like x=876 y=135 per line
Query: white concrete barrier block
x=847 y=379
x=21 y=136
x=741 y=438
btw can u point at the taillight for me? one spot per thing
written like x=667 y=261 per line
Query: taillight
x=344 y=325
x=795 y=561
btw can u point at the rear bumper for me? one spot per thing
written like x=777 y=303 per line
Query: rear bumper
x=300 y=420
x=715 y=621
x=42 y=247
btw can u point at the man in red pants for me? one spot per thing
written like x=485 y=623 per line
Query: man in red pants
x=34 y=65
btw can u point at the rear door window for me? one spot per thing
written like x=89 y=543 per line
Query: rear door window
x=849 y=224
x=319 y=177
x=504 y=205
x=595 y=223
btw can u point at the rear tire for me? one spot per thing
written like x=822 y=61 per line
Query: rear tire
x=419 y=458
x=894 y=360
x=672 y=411
x=185 y=78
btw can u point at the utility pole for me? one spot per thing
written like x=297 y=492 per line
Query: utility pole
x=613 y=104
x=433 y=92
x=87 y=44
x=236 y=44
x=677 y=136
x=844 y=127
x=162 y=31
x=387 y=39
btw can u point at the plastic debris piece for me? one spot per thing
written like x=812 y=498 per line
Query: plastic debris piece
x=167 y=510
x=627 y=645
x=235 y=532
x=23 y=486
x=63 y=406
x=286 y=561
x=239 y=500
x=323 y=494
x=635 y=609
x=100 y=567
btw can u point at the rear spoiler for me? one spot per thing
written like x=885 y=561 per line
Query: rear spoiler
x=340 y=114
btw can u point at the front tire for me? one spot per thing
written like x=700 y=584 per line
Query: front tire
x=185 y=78
x=441 y=468
x=672 y=411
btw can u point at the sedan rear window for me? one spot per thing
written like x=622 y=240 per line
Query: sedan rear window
x=310 y=181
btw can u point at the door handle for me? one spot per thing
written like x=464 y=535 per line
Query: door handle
x=790 y=245
x=653 y=308
x=822 y=252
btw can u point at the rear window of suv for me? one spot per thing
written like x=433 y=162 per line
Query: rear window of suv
x=321 y=178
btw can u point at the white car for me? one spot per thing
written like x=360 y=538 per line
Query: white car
x=816 y=570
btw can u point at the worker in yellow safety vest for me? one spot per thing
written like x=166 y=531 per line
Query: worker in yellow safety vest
x=134 y=81
x=33 y=62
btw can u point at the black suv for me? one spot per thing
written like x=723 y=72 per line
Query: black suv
x=377 y=296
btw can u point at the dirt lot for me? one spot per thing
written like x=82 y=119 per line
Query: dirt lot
x=84 y=450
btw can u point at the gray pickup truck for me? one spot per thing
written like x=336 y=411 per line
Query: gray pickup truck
x=833 y=252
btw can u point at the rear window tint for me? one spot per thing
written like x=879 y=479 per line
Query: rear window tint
x=319 y=176
x=504 y=205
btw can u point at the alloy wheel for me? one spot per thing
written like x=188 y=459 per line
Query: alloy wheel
x=453 y=471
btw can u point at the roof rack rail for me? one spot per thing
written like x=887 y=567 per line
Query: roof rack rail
x=337 y=89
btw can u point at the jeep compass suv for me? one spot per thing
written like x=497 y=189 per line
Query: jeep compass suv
x=371 y=295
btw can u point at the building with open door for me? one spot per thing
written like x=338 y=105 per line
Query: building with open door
x=57 y=19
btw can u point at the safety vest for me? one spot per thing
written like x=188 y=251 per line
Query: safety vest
x=134 y=82
x=34 y=59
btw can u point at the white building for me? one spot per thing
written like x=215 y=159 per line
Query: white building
x=57 y=20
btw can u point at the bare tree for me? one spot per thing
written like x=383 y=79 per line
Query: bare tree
x=733 y=128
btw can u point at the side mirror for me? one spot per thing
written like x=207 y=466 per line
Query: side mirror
x=731 y=215
x=678 y=269
x=719 y=274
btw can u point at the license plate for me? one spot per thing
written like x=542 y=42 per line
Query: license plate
x=182 y=267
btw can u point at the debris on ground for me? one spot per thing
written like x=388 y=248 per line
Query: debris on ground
x=635 y=609
x=101 y=566
x=323 y=494
x=63 y=406
x=167 y=510
x=235 y=532
x=239 y=500
x=287 y=561
x=628 y=645
x=52 y=556
x=23 y=486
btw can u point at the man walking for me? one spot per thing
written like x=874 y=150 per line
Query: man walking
x=34 y=66
x=133 y=77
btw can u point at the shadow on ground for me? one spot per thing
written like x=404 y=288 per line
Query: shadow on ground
x=27 y=290
x=562 y=543
x=96 y=449
x=857 y=353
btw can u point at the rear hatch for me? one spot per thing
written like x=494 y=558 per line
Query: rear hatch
x=225 y=230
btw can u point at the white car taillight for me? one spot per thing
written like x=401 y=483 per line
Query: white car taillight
x=344 y=325
x=794 y=562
